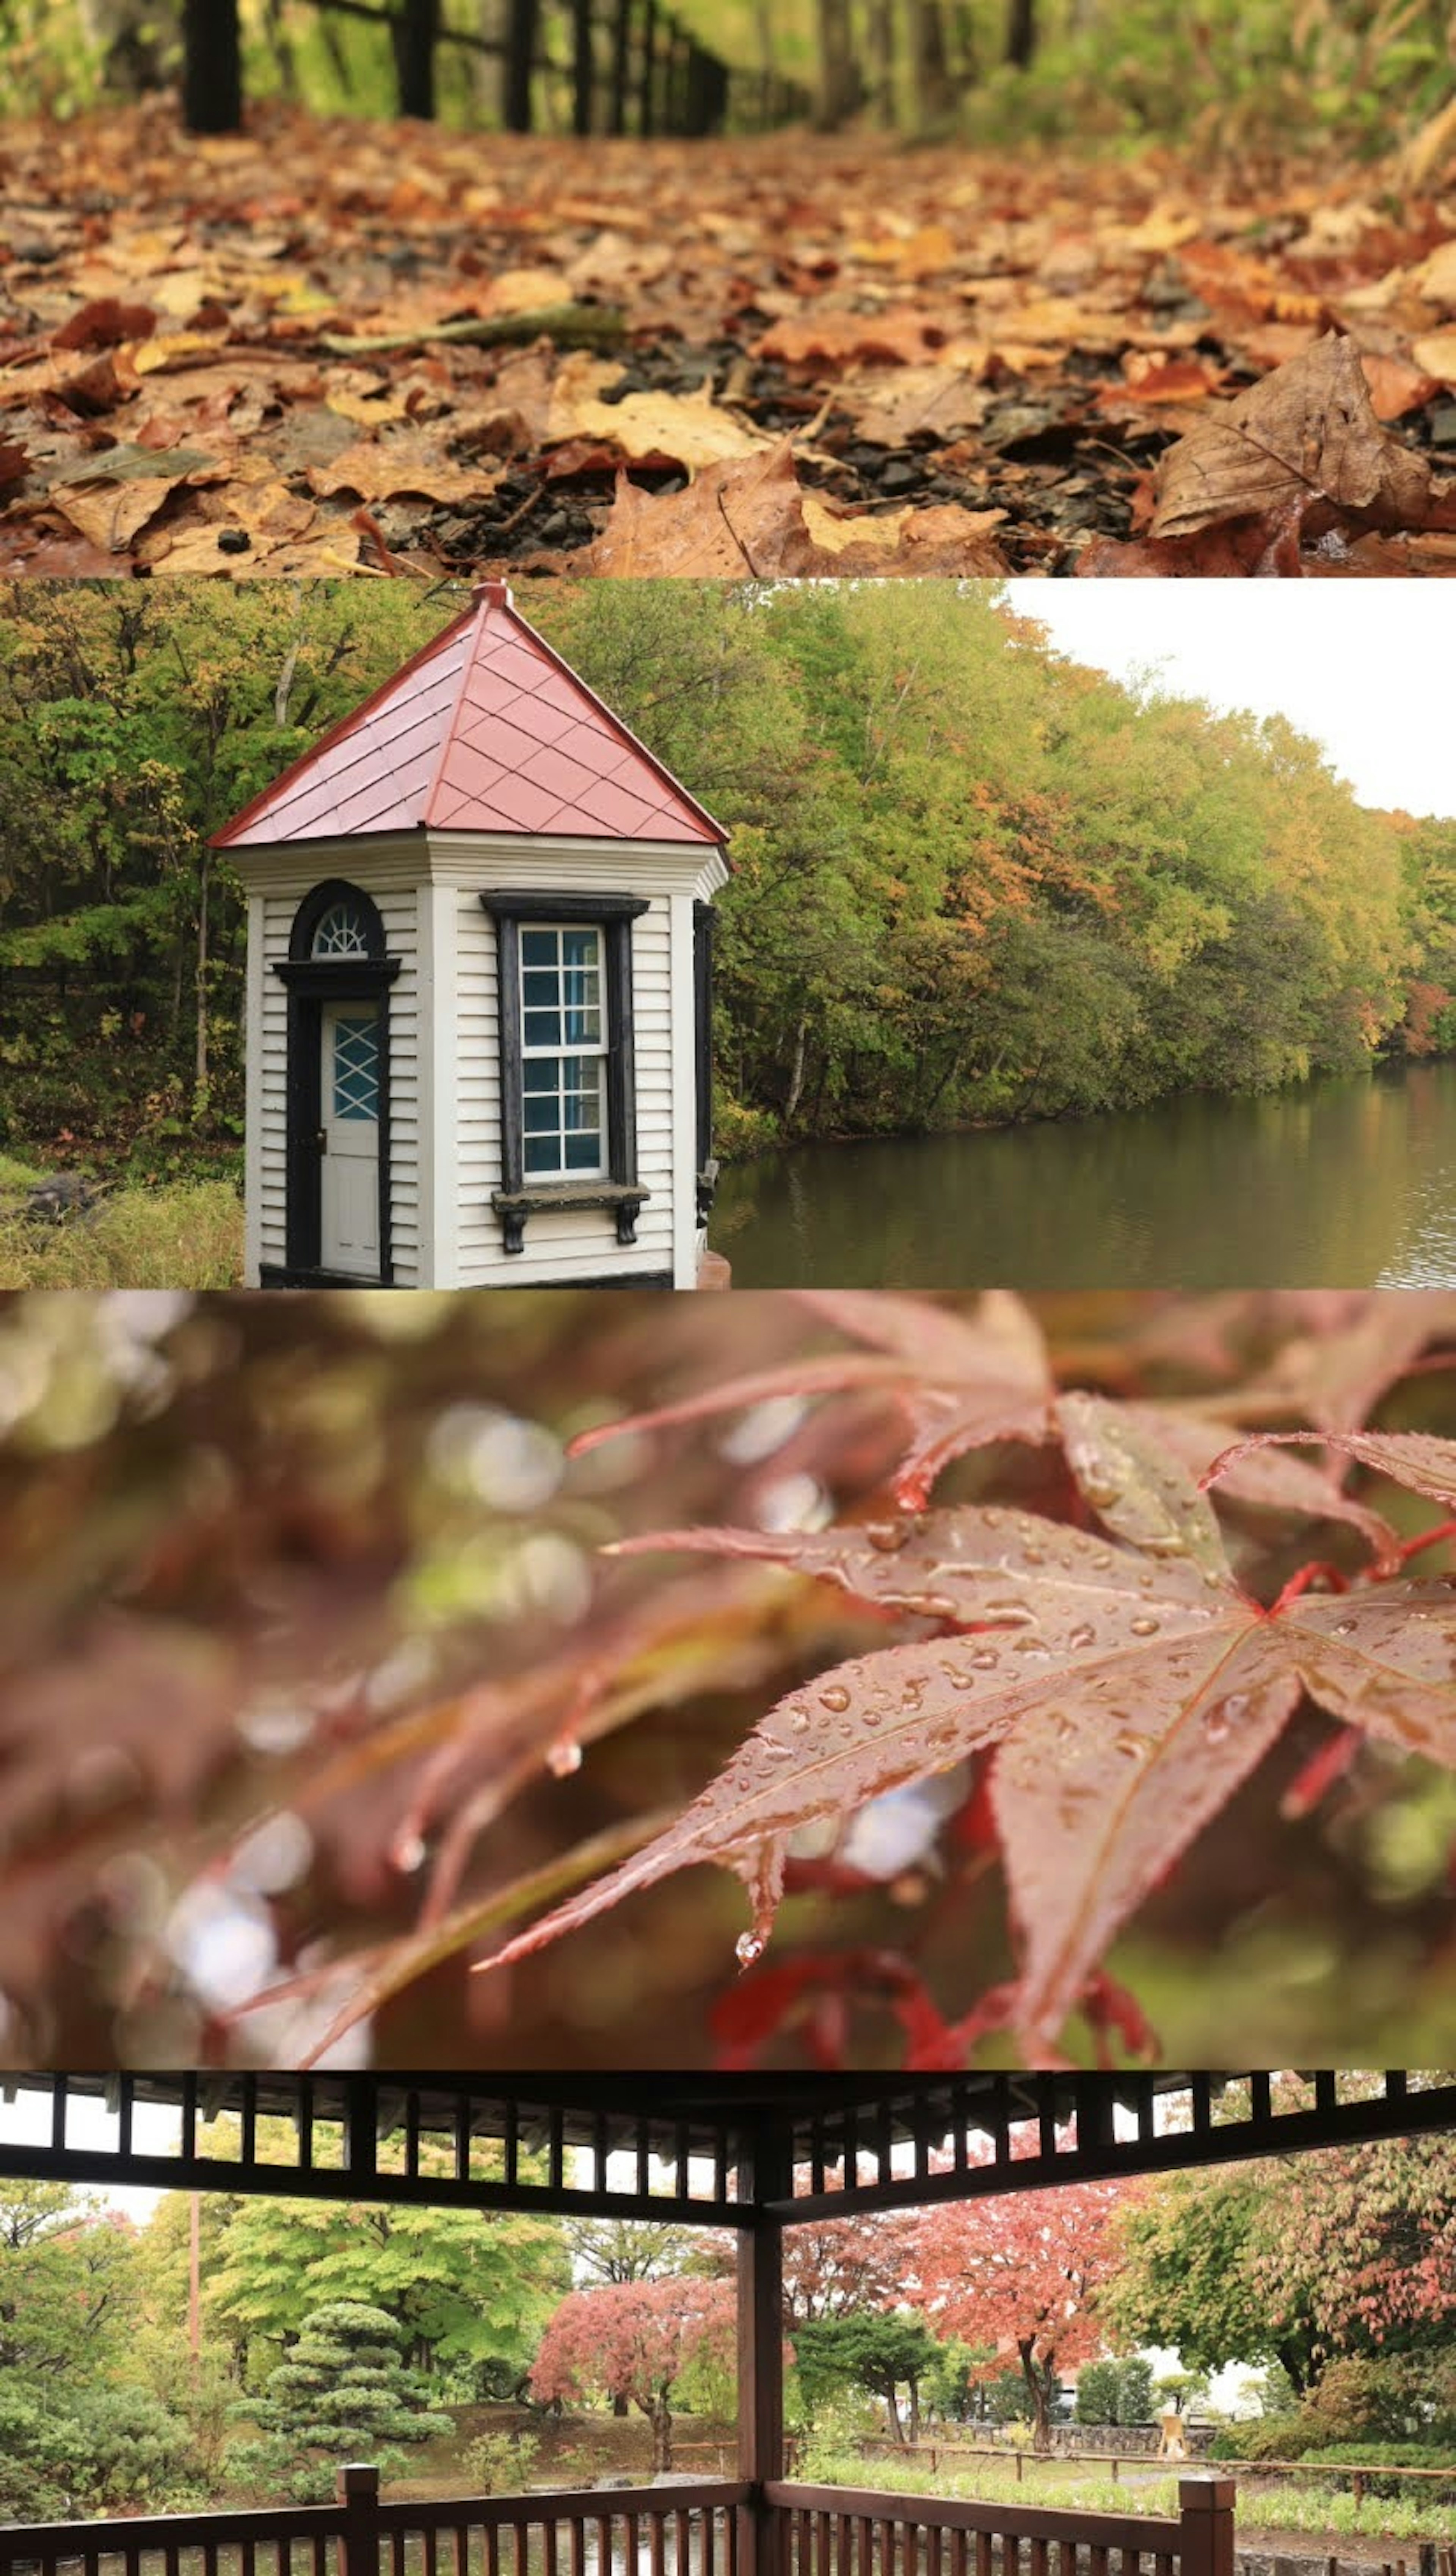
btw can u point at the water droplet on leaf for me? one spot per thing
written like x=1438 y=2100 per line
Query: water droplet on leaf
x=835 y=1699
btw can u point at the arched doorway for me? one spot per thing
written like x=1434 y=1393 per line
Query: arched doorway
x=338 y=973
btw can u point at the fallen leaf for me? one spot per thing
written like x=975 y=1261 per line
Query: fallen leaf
x=681 y=429
x=753 y=517
x=376 y=469
x=1435 y=351
x=104 y=324
x=1305 y=434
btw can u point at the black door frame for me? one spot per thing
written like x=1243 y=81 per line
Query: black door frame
x=310 y=982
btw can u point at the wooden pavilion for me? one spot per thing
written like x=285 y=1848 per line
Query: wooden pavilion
x=753 y=2154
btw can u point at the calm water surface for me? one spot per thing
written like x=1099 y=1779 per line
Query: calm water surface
x=1347 y=1184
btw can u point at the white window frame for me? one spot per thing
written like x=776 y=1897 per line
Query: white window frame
x=596 y=1048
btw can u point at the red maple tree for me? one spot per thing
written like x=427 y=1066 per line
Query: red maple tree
x=634 y=2340
x=1020 y=2275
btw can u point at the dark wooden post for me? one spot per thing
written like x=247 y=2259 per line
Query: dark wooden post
x=520 y=64
x=414 y=31
x=1206 y=2512
x=212 y=67
x=583 y=67
x=358 y=2492
x=761 y=2354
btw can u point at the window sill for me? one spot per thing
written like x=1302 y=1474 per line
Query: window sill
x=513 y=1207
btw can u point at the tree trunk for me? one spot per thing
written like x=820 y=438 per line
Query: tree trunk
x=796 y=1078
x=934 y=93
x=1037 y=2376
x=661 y=2414
x=520 y=63
x=200 y=1068
x=882 y=58
x=839 y=87
x=897 y=2429
x=1021 y=33
x=914 y=2411
x=583 y=68
x=414 y=31
x=212 y=67
x=620 y=2405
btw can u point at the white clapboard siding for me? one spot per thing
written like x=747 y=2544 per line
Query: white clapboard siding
x=445 y=1087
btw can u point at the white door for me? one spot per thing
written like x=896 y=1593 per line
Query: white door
x=349 y=1091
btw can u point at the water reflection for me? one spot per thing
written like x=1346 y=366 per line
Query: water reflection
x=1345 y=1184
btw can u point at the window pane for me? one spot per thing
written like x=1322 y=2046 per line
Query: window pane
x=356 y=1068
x=583 y=1153
x=542 y=1116
x=343 y=931
x=538 y=947
x=541 y=1077
x=579 y=947
x=543 y=1156
x=543 y=1028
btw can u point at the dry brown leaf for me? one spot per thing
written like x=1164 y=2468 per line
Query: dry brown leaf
x=113 y=514
x=377 y=469
x=1436 y=353
x=1305 y=434
x=685 y=429
x=754 y=517
x=803 y=339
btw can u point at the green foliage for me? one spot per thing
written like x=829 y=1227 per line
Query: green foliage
x=343 y=2392
x=1115 y=2392
x=469 y=2293
x=500 y=2463
x=878 y=2352
x=68 y=2450
x=972 y=881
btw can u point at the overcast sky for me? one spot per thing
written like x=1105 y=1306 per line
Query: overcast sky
x=1368 y=668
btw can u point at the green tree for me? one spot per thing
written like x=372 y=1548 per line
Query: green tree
x=880 y=2353
x=468 y=2289
x=344 y=2391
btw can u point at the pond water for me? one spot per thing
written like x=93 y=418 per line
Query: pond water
x=1337 y=1184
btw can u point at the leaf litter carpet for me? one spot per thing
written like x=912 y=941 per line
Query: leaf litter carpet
x=328 y=347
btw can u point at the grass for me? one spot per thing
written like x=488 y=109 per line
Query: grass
x=185 y=1235
x=1323 y=2512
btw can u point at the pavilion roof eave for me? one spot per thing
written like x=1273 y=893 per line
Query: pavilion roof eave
x=686 y=2147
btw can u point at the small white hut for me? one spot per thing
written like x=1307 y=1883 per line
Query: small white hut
x=479 y=987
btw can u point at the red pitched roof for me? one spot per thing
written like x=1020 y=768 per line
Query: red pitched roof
x=486 y=730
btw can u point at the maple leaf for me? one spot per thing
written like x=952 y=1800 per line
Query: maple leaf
x=1128 y=1696
x=1414 y=1458
x=750 y=515
x=959 y=1381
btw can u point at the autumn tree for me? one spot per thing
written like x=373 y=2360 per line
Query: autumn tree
x=636 y=2339
x=1307 y=2261
x=1024 y=2273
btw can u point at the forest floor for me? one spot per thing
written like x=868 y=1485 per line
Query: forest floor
x=333 y=346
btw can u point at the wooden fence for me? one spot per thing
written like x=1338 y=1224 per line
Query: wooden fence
x=843 y=2531
x=623 y=67
x=687 y=2530
x=673 y=2530
x=1336 y=2473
